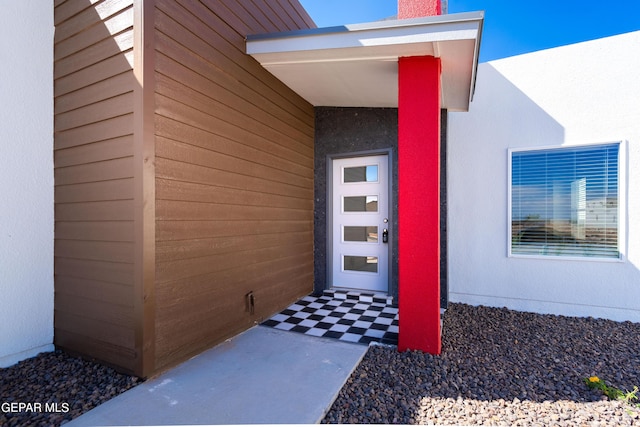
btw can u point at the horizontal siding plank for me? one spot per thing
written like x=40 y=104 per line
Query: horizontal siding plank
x=180 y=269
x=181 y=230
x=199 y=19
x=169 y=169
x=95 y=250
x=123 y=359
x=245 y=278
x=95 y=152
x=117 y=273
x=239 y=18
x=303 y=18
x=294 y=11
x=272 y=14
x=188 y=115
x=186 y=153
x=177 y=131
x=92 y=172
x=185 y=335
x=178 y=82
x=295 y=279
x=210 y=305
x=87 y=29
x=64 y=10
x=195 y=211
x=220 y=28
x=107 y=231
x=120 y=189
x=234 y=176
x=205 y=49
x=285 y=15
x=97 y=290
x=190 y=339
x=248 y=18
x=105 y=89
x=286 y=286
x=245 y=96
x=93 y=74
x=225 y=313
x=113 y=107
x=117 y=210
x=187 y=191
x=278 y=295
x=113 y=314
x=207 y=64
x=101 y=131
x=185 y=249
x=121 y=336
x=94 y=54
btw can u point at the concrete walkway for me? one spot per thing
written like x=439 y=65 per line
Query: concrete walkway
x=262 y=376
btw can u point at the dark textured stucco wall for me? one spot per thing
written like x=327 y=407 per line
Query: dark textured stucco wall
x=342 y=131
x=444 y=267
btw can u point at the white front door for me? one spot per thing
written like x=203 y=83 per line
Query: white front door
x=360 y=220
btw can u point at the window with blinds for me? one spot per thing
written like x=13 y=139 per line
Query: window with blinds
x=564 y=201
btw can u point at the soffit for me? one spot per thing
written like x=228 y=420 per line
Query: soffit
x=357 y=65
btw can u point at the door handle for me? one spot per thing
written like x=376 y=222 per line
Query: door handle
x=385 y=236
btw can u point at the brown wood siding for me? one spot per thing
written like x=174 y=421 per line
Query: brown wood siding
x=94 y=171
x=183 y=177
x=234 y=175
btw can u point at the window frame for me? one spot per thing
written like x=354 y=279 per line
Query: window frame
x=621 y=208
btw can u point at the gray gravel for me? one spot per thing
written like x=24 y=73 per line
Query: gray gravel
x=59 y=387
x=499 y=367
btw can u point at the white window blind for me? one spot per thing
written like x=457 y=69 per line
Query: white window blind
x=564 y=202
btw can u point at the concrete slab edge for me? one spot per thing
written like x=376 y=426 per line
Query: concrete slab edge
x=333 y=399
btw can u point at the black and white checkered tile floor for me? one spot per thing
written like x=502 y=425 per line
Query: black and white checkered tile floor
x=359 y=318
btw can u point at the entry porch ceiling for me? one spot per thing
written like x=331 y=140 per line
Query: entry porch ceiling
x=357 y=65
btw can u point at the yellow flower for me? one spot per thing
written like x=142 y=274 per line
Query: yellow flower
x=594 y=379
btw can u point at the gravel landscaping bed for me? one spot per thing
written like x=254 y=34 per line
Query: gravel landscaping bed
x=59 y=388
x=499 y=367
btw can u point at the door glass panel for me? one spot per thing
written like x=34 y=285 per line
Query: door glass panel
x=361 y=234
x=360 y=204
x=361 y=174
x=368 y=264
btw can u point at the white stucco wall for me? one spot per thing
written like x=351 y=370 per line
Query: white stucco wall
x=26 y=179
x=583 y=93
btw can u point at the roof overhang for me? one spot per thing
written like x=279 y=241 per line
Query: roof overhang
x=357 y=65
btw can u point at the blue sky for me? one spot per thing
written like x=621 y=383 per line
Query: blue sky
x=511 y=27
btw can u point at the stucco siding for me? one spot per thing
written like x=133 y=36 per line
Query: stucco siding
x=577 y=94
x=26 y=173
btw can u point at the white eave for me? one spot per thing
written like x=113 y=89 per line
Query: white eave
x=357 y=65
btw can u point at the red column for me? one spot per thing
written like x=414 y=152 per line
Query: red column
x=419 y=203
